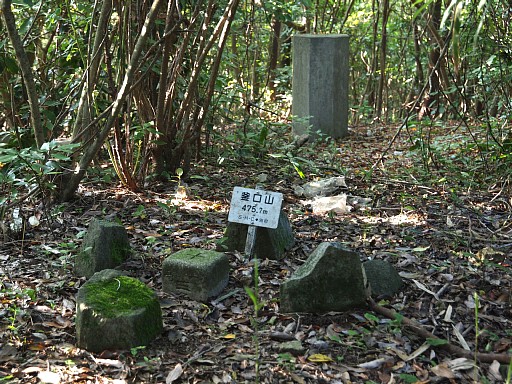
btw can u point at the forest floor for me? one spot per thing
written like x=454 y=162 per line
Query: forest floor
x=447 y=232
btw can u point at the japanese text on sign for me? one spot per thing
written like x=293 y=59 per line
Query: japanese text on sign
x=255 y=207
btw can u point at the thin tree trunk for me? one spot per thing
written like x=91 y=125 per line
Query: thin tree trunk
x=83 y=117
x=157 y=150
x=368 y=95
x=26 y=70
x=274 y=56
x=383 y=51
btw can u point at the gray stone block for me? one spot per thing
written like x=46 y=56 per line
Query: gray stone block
x=331 y=280
x=382 y=277
x=116 y=312
x=320 y=84
x=198 y=273
x=105 y=246
x=270 y=243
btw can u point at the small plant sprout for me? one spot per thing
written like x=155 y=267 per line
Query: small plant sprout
x=181 y=188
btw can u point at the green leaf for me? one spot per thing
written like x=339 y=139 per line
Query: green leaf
x=371 y=317
x=436 y=342
x=407 y=378
x=60 y=156
x=162 y=205
x=251 y=295
x=8 y=157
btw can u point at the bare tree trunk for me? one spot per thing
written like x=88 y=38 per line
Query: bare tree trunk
x=84 y=113
x=274 y=56
x=26 y=70
x=368 y=95
x=383 y=51
x=437 y=76
x=157 y=150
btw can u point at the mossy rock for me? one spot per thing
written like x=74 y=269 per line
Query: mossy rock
x=331 y=280
x=105 y=246
x=383 y=278
x=116 y=312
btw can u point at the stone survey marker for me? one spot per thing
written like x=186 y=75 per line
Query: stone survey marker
x=320 y=84
x=198 y=273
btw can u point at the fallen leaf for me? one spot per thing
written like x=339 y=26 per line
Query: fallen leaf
x=375 y=364
x=424 y=347
x=424 y=288
x=229 y=336
x=174 y=374
x=442 y=370
x=448 y=314
x=319 y=358
x=461 y=339
x=494 y=370
x=461 y=364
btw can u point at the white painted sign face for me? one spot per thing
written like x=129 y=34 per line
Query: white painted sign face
x=255 y=207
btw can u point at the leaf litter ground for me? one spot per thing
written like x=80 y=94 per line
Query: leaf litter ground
x=448 y=237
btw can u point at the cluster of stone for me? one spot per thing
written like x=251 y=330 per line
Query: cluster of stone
x=115 y=311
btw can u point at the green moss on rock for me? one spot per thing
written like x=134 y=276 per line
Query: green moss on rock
x=116 y=296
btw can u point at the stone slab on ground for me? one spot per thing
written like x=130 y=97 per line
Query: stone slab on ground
x=105 y=246
x=331 y=280
x=116 y=312
x=198 y=273
x=270 y=243
x=382 y=277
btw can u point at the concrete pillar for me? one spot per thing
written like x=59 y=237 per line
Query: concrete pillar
x=320 y=84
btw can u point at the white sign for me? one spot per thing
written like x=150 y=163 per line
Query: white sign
x=255 y=207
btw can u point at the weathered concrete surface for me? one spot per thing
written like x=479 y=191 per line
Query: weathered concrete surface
x=270 y=243
x=320 y=84
x=105 y=246
x=116 y=312
x=198 y=273
x=331 y=280
x=383 y=278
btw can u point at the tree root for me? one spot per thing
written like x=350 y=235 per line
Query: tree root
x=418 y=329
